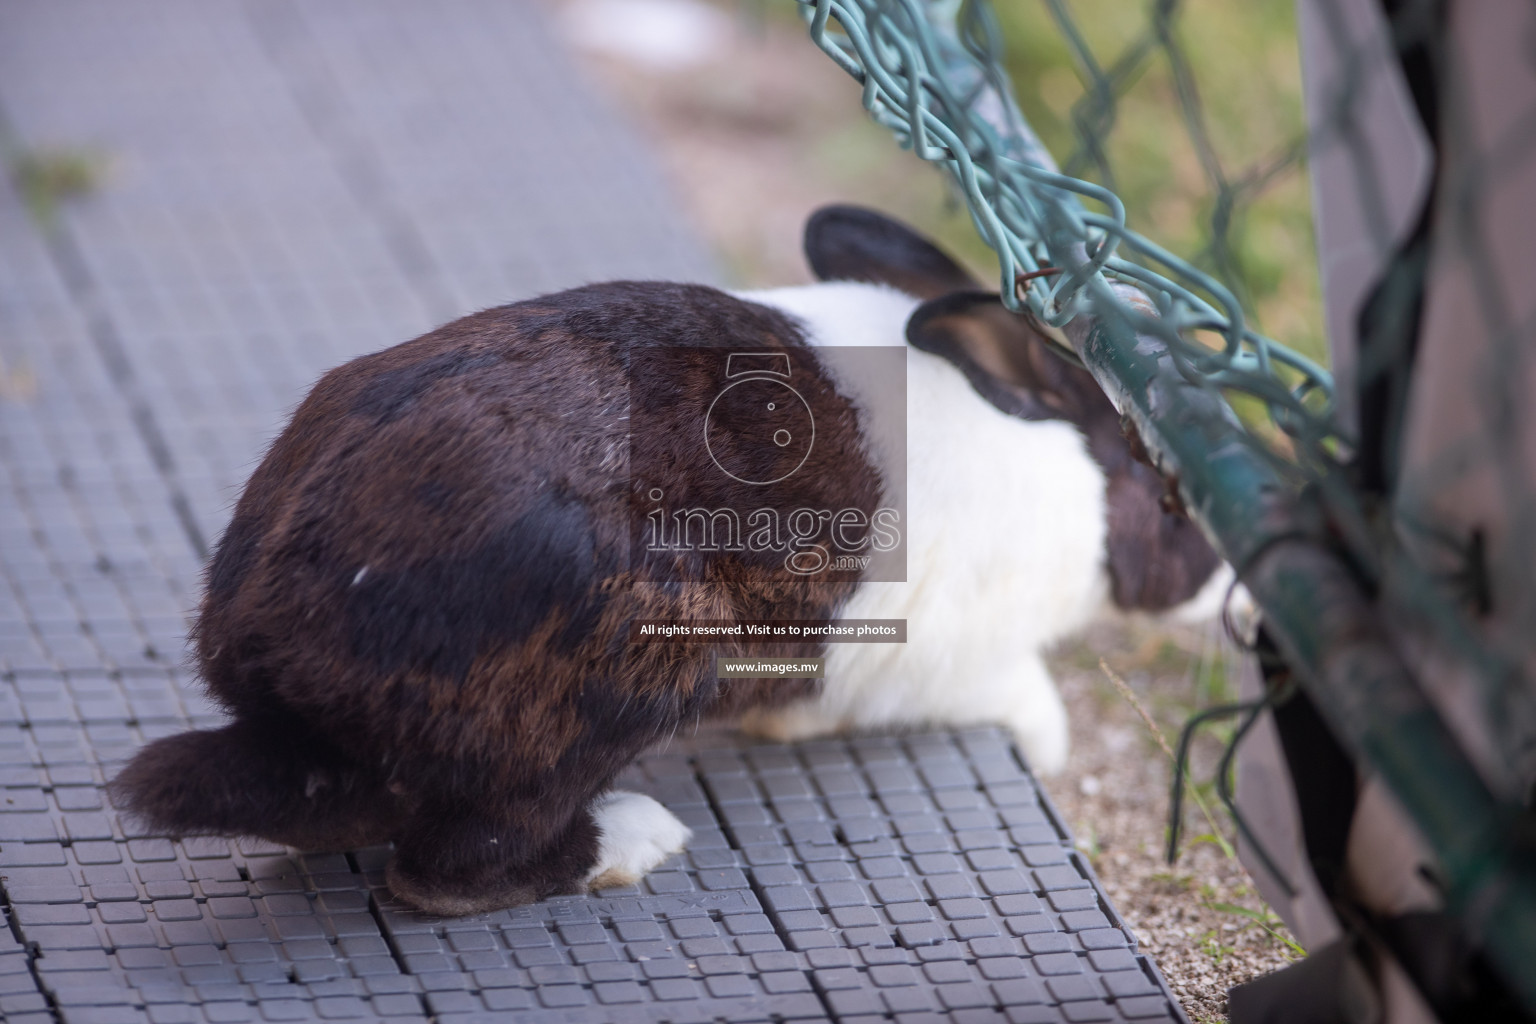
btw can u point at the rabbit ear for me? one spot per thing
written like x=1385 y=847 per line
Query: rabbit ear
x=1007 y=361
x=1156 y=559
x=851 y=243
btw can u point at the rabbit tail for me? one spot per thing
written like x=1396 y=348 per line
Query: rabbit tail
x=267 y=777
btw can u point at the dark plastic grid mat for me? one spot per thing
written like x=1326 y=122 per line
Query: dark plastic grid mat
x=96 y=572
x=874 y=878
x=290 y=185
x=294 y=184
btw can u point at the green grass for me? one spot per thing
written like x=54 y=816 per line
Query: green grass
x=1265 y=920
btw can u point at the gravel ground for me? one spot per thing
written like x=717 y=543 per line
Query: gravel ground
x=1200 y=918
x=756 y=129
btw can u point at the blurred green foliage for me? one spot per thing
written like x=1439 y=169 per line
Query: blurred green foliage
x=1176 y=107
x=1118 y=119
x=49 y=178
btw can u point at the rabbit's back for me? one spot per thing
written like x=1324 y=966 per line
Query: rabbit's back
x=434 y=555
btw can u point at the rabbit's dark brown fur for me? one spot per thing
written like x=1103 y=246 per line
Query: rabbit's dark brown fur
x=419 y=615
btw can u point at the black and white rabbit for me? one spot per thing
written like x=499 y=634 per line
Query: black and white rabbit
x=1029 y=514
x=420 y=617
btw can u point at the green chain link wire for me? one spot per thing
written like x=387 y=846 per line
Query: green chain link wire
x=931 y=72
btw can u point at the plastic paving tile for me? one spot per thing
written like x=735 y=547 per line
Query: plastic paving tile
x=289 y=185
x=876 y=878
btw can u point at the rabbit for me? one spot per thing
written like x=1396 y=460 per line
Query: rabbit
x=421 y=617
x=1031 y=515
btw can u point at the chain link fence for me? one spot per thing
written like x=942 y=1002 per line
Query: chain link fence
x=1383 y=520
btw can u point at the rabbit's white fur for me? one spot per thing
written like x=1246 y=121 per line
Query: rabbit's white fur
x=635 y=833
x=1005 y=550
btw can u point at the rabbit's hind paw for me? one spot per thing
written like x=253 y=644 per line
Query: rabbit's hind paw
x=635 y=833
